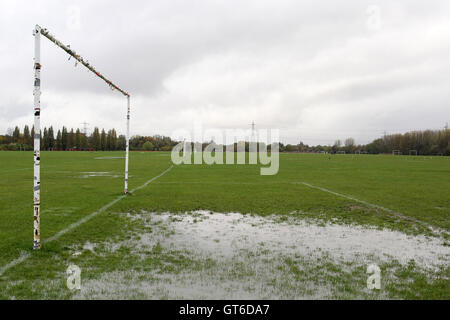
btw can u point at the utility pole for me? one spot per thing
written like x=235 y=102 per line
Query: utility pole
x=252 y=147
x=253 y=129
x=84 y=127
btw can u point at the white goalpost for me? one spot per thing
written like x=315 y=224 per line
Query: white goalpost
x=413 y=152
x=396 y=152
x=37 y=113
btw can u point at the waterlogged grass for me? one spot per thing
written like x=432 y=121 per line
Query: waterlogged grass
x=415 y=188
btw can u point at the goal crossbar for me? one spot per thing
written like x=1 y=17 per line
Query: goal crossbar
x=37 y=112
x=71 y=52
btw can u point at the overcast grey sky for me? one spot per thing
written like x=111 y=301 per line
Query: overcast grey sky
x=317 y=70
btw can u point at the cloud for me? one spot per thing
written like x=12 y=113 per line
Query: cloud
x=317 y=71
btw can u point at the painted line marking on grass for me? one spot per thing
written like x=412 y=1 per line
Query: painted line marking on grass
x=152 y=179
x=26 y=255
x=23 y=256
x=395 y=213
x=83 y=220
x=27 y=168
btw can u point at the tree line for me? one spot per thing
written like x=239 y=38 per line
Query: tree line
x=63 y=140
x=75 y=140
x=427 y=142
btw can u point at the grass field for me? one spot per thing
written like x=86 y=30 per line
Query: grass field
x=225 y=231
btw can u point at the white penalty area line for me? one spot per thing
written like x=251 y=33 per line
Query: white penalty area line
x=56 y=236
x=372 y=205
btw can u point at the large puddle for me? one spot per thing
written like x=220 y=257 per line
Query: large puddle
x=252 y=257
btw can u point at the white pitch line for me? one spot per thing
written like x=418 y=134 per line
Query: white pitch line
x=23 y=256
x=26 y=255
x=395 y=213
x=152 y=179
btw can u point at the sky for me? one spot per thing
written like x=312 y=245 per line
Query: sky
x=316 y=70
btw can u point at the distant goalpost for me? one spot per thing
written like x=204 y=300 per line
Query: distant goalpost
x=396 y=152
x=37 y=112
x=413 y=152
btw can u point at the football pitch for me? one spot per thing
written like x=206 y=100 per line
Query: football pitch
x=225 y=231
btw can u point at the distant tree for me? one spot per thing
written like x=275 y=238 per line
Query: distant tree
x=84 y=142
x=8 y=136
x=290 y=148
x=51 y=138
x=303 y=147
x=109 y=140
x=16 y=134
x=336 y=146
x=121 y=142
x=148 y=146
x=113 y=139
x=103 y=140
x=59 y=145
x=349 y=145
x=96 y=141
x=70 y=139
x=44 y=145
x=64 y=137
x=27 y=136
x=78 y=139
x=166 y=148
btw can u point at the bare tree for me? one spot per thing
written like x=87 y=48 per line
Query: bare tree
x=349 y=145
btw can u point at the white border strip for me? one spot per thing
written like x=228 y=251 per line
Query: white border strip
x=26 y=255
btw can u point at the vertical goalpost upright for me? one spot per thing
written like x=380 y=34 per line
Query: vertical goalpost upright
x=37 y=113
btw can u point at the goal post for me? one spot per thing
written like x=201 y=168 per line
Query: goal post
x=413 y=152
x=37 y=139
x=127 y=147
x=37 y=32
x=396 y=152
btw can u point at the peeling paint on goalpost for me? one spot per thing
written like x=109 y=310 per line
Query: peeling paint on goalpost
x=37 y=113
x=37 y=133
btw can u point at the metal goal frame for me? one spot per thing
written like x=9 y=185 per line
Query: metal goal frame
x=37 y=32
